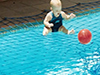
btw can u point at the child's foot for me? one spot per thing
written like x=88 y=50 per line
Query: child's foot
x=71 y=32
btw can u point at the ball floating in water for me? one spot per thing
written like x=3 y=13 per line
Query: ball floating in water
x=84 y=36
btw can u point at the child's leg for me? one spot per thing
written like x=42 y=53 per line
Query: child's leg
x=46 y=30
x=63 y=29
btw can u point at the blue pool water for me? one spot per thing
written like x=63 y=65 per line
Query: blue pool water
x=28 y=52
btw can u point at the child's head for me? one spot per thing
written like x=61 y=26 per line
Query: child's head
x=56 y=7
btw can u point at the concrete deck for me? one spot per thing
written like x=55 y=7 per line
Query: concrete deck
x=15 y=8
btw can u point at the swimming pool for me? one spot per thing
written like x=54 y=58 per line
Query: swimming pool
x=28 y=52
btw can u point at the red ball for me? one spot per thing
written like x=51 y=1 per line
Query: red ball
x=84 y=36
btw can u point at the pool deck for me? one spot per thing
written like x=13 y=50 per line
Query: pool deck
x=19 y=8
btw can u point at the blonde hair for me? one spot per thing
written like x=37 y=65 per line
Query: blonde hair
x=54 y=3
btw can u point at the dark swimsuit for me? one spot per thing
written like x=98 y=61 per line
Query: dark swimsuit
x=57 y=21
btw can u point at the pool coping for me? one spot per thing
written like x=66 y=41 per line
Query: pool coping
x=79 y=9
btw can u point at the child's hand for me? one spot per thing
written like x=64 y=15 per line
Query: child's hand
x=71 y=32
x=72 y=15
x=51 y=25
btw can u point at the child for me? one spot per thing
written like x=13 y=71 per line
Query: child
x=53 y=20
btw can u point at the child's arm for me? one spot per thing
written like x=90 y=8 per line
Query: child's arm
x=47 y=19
x=65 y=16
